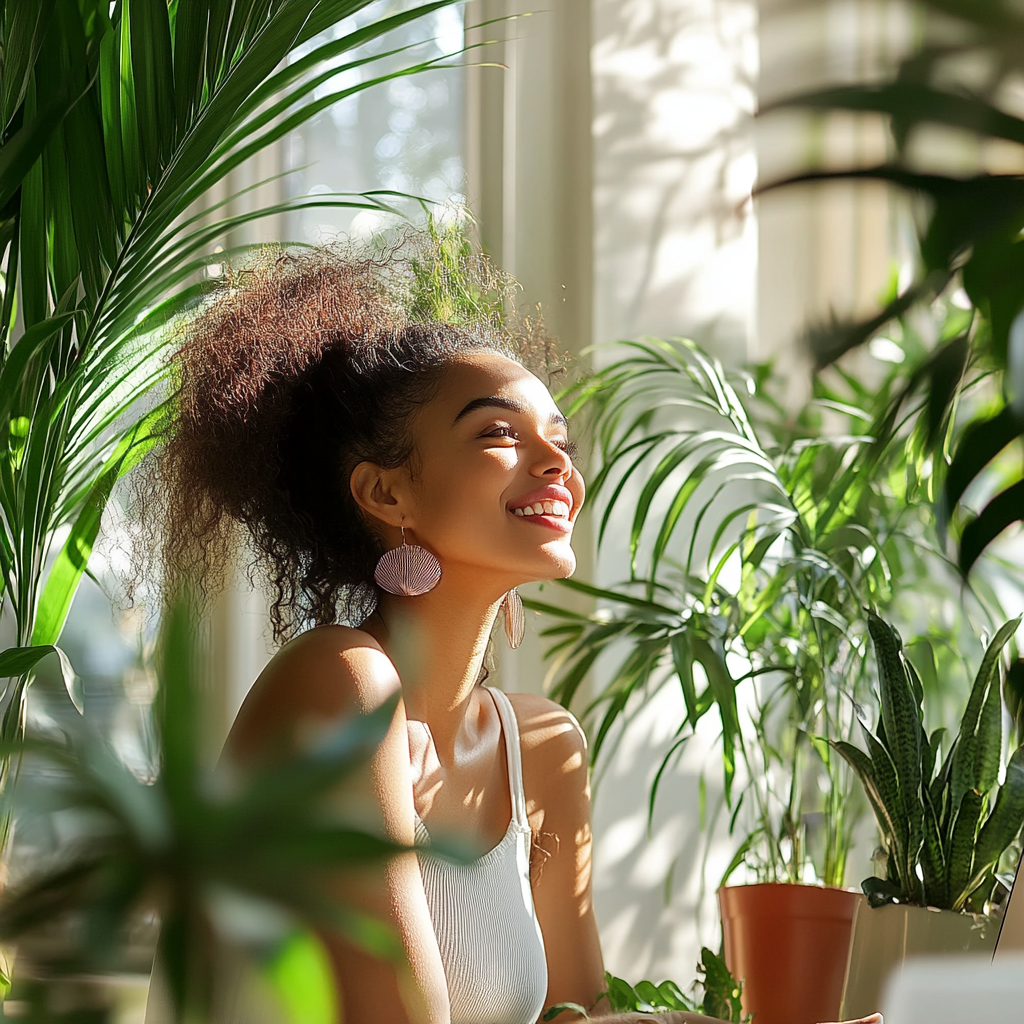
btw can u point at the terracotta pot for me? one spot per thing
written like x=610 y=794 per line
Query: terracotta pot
x=884 y=937
x=789 y=945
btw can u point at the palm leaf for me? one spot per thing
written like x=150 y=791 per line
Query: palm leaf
x=972 y=229
x=117 y=121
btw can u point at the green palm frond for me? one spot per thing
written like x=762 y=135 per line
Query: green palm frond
x=118 y=120
x=754 y=539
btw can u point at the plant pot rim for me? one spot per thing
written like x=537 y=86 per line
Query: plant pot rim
x=791 y=885
x=937 y=910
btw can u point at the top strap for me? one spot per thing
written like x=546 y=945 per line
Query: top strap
x=510 y=728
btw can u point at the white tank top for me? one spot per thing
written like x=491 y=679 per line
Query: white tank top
x=483 y=916
x=483 y=913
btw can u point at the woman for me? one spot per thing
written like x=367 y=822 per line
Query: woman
x=407 y=477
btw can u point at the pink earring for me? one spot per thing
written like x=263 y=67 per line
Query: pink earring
x=408 y=570
x=515 y=618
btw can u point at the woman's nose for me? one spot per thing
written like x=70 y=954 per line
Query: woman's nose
x=552 y=460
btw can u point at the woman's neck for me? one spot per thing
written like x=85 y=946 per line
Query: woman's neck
x=437 y=642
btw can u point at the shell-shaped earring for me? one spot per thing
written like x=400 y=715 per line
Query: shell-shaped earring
x=515 y=618
x=408 y=570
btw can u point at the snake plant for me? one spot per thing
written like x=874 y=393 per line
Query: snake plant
x=945 y=820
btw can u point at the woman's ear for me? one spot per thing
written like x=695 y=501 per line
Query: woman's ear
x=379 y=492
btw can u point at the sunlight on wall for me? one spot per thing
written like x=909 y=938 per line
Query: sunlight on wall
x=674 y=236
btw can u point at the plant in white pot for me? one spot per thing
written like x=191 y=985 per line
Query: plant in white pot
x=945 y=821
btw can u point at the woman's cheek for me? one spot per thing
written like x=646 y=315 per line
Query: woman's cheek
x=577 y=488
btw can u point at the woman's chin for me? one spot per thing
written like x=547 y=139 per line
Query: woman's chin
x=563 y=564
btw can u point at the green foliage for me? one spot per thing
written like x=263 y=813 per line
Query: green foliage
x=116 y=120
x=237 y=861
x=722 y=991
x=1013 y=696
x=721 y=995
x=755 y=539
x=945 y=822
x=453 y=281
x=954 y=79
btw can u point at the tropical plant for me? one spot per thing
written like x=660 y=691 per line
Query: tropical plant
x=957 y=77
x=245 y=862
x=753 y=549
x=721 y=999
x=944 y=819
x=116 y=121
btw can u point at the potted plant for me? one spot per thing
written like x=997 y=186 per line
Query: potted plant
x=775 y=533
x=944 y=820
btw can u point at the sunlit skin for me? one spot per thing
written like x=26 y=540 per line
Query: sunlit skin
x=490 y=440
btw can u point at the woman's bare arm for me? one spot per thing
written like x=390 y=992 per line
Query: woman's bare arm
x=555 y=778
x=316 y=681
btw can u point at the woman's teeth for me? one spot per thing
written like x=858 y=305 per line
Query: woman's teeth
x=544 y=508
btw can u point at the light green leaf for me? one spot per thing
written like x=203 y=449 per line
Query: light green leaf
x=301 y=975
x=17 y=661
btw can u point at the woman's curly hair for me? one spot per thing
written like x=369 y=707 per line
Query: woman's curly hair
x=302 y=365
x=299 y=367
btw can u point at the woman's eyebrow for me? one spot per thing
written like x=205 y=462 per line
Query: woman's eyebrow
x=510 y=404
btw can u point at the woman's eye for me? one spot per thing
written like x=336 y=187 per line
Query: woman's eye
x=570 y=448
x=501 y=432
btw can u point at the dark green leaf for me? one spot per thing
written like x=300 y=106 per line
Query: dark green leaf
x=962 y=844
x=1005 y=509
x=1004 y=823
x=24 y=25
x=967 y=771
x=980 y=442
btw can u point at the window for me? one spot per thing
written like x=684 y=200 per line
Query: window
x=406 y=136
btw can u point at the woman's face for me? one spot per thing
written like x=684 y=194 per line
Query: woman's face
x=492 y=487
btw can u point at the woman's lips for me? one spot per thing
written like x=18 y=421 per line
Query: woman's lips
x=552 y=521
x=550 y=506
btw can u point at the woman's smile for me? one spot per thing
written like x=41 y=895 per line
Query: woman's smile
x=549 y=506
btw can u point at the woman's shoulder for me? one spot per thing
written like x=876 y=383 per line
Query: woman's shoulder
x=554 y=753
x=326 y=673
x=547 y=731
x=336 y=663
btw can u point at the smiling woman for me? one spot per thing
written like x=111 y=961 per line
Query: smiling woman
x=343 y=435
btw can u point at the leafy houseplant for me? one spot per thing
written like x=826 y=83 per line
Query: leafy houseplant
x=771 y=535
x=116 y=121
x=945 y=821
x=955 y=79
x=721 y=999
x=245 y=863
